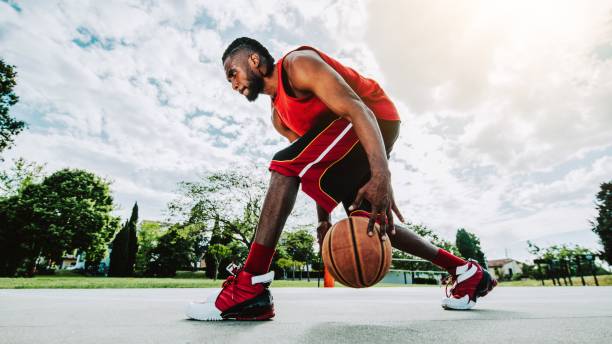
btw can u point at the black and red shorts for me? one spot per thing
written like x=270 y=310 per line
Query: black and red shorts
x=331 y=163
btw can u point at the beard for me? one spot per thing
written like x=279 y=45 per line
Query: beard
x=256 y=85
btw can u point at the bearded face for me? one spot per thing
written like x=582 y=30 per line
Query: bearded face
x=255 y=84
x=243 y=77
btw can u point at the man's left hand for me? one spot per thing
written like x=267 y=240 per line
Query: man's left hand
x=379 y=193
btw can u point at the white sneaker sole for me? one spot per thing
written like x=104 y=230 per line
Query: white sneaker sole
x=204 y=311
x=462 y=304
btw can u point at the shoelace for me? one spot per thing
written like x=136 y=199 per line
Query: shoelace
x=234 y=270
x=229 y=281
x=449 y=279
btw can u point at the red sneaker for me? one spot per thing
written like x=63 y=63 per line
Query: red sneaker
x=469 y=282
x=243 y=297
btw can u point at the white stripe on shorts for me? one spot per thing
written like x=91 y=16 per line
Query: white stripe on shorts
x=329 y=148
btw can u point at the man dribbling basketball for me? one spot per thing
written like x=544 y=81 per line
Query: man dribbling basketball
x=342 y=127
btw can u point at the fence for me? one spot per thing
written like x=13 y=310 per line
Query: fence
x=563 y=269
x=414 y=276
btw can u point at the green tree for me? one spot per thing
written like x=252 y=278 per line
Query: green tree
x=562 y=260
x=218 y=252
x=9 y=126
x=178 y=248
x=299 y=245
x=20 y=175
x=232 y=199
x=148 y=236
x=238 y=251
x=70 y=209
x=602 y=225
x=14 y=239
x=286 y=264
x=468 y=245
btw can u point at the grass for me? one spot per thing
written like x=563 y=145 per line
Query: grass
x=59 y=282
x=70 y=280
x=191 y=280
x=124 y=282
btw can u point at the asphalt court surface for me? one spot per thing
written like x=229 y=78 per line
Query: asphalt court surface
x=309 y=315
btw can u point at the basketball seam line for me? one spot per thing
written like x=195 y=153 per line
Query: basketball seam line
x=359 y=272
x=331 y=259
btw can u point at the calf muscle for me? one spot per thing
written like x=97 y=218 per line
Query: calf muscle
x=277 y=206
x=407 y=241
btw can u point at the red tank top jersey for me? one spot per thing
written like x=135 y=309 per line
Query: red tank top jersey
x=300 y=114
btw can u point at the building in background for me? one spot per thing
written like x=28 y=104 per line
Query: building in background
x=504 y=268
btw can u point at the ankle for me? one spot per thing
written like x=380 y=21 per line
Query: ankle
x=259 y=259
x=447 y=260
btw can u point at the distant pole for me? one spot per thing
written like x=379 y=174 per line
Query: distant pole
x=557 y=272
x=549 y=272
x=593 y=270
x=579 y=270
x=540 y=272
x=562 y=271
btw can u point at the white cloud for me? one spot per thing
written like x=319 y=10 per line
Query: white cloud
x=134 y=91
x=496 y=94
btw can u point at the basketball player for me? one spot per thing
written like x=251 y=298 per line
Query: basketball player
x=342 y=127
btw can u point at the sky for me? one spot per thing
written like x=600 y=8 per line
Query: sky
x=506 y=106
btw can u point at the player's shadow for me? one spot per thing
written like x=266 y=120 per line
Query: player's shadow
x=227 y=323
x=489 y=314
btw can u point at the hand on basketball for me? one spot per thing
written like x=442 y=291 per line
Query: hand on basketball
x=379 y=193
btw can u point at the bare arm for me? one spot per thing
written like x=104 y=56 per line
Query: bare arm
x=281 y=128
x=307 y=72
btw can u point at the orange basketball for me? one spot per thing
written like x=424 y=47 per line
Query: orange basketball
x=354 y=258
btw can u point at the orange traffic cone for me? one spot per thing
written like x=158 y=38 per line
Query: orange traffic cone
x=328 y=279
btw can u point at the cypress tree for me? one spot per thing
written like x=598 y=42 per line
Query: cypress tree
x=215 y=238
x=119 y=253
x=602 y=225
x=468 y=245
x=132 y=245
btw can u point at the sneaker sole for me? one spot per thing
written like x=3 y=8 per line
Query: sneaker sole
x=261 y=315
x=258 y=308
